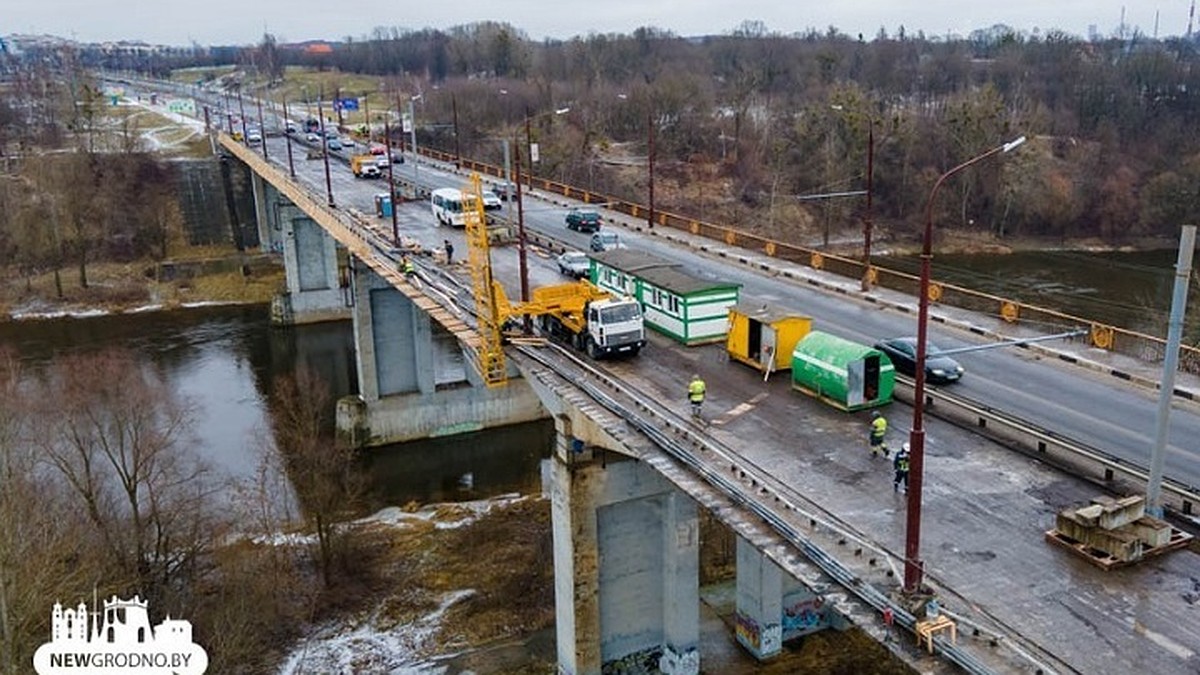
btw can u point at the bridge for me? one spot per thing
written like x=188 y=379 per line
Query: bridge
x=819 y=530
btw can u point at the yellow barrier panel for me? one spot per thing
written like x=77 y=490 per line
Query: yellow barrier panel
x=1102 y=336
x=769 y=249
x=816 y=260
x=1010 y=311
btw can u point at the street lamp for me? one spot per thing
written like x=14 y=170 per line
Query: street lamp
x=325 y=149
x=533 y=151
x=521 y=246
x=866 y=277
x=412 y=120
x=916 y=438
x=287 y=137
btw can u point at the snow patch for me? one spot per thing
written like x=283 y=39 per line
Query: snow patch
x=445 y=516
x=370 y=647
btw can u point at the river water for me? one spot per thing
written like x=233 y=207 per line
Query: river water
x=1127 y=289
x=224 y=361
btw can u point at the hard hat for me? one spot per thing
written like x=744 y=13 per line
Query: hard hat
x=875 y=413
x=904 y=448
x=695 y=376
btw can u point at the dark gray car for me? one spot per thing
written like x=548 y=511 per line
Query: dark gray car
x=903 y=353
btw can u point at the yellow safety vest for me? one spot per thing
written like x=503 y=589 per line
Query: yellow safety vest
x=878 y=427
x=696 y=390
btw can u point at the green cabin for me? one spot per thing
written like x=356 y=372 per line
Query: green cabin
x=682 y=306
x=845 y=374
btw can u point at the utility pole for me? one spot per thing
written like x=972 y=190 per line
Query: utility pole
x=532 y=156
x=262 y=130
x=325 y=150
x=288 y=137
x=242 y=112
x=650 y=152
x=521 y=260
x=412 y=128
x=387 y=141
x=1166 y=392
x=457 y=150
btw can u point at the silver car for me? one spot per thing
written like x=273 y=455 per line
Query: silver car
x=575 y=264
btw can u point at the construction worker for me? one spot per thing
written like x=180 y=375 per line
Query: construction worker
x=900 y=464
x=696 y=391
x=878 y=442
x=406 y=266
x=449 y=250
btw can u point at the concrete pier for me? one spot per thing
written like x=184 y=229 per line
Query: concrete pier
x=314 y=288
x=626 y=546
x=414 y=379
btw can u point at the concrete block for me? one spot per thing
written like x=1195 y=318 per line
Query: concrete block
x=1152 y=531
x=1120 y=512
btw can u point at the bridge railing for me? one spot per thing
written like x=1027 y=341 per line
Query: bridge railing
x=1012 y=310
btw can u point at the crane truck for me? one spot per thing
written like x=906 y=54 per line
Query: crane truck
x=581 y=315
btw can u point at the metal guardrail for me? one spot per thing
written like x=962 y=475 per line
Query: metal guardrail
x=1081 y=459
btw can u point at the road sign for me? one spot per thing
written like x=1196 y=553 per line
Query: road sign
x=345 y=104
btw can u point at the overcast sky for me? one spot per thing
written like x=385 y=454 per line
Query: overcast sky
x=179 y=22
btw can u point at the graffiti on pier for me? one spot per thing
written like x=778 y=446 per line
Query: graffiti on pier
x=803 y=613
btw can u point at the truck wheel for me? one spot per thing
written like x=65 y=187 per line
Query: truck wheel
x=593 y=350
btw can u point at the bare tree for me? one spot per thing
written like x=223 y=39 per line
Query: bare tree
x=321 y=469
x=44 y=544
x=117 y=434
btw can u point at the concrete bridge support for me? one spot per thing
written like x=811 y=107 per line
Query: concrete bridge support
x=772 y=606
x=314 y=280
x=268 y=207
x=626 y=561
x=414 y=379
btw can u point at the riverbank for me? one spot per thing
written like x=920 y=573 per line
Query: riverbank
x=195 y=276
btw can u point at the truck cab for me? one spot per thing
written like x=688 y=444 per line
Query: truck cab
x=615 y=326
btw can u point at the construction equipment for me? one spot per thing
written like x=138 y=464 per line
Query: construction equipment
x=576 y=313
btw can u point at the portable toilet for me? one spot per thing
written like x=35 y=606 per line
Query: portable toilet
x=763 y=337
x=845 y=374
x=383 y=205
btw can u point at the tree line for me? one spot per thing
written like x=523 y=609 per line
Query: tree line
x=748 y=124
x=767 y=117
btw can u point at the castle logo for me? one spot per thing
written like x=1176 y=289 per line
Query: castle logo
x=118 y=641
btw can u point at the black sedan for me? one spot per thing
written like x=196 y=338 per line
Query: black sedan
x=903 y=353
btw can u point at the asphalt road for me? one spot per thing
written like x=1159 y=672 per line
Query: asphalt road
x=1105 y=413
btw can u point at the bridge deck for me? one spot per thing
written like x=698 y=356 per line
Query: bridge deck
x=986 y=508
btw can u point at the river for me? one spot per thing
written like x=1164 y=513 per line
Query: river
x=1127 y=289
x=224 y=361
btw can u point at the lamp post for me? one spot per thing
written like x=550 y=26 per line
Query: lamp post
x=650 y=166
x=325 y=150
x=916 y=440
x=387 y=141
x=262 y=130
x=521 y=258
x=242 y=113
x=288 y=138
x=533 y=150
x=412 y=121
x=866 y=277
